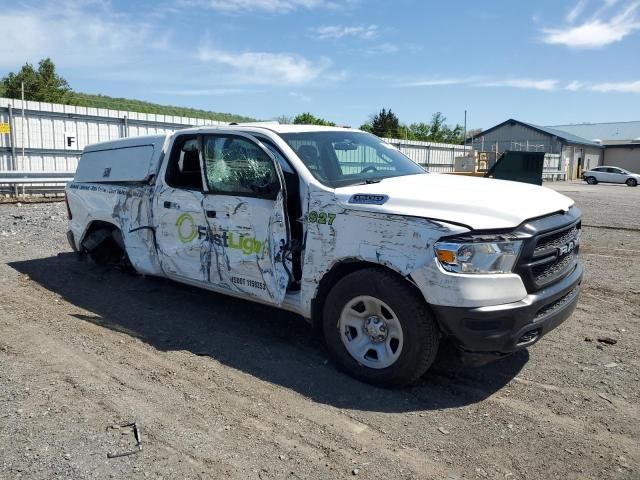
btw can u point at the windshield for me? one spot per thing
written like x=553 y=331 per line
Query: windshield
x=345 y=158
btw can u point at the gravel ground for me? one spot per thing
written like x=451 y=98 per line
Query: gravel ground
x=223 y=388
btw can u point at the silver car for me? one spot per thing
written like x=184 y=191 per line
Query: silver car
x=610 y=175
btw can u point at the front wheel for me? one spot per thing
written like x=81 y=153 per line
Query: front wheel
x=631 y=182
x=592 y=180
x=379 y=329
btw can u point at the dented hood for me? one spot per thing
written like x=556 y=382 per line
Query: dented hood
x=480 y=203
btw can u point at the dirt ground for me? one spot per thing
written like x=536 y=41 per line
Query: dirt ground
x=223 y=388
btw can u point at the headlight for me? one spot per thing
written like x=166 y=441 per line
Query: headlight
x=483 y=256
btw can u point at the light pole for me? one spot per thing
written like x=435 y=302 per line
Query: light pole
x=465 y=132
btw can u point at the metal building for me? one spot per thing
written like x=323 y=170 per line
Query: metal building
x=620 y=139
x=49 y=137
x=43 y=141
x=564 y=151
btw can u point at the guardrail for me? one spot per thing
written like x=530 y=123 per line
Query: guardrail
x=19 y=183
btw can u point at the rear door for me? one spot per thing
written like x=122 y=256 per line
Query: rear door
x=245 y=211
x=601 y=174
x=180 y=225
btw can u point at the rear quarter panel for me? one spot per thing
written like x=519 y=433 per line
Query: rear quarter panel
x=126 y=207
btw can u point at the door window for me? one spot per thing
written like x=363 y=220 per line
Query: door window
x=237 y=166
x=184 y=169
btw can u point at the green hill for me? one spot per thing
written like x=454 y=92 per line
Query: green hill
x=43 y=84
x=103 y=101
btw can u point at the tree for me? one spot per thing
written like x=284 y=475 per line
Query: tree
x=439 y=131
x=366 y=127
x=473 y=133
x=41 y=85
x=385 y=124
x=438 y=128
x=284 y=119
x=308 y=119
x=419 y=131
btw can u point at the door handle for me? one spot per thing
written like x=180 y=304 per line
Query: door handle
x=211 y=214
x=171 y=205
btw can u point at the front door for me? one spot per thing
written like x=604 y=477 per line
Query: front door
x=617 y=176
x=244 y=207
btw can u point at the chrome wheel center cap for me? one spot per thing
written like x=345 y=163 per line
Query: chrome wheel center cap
x=376 y=329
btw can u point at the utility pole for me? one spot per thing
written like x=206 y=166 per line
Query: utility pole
x=465 y=132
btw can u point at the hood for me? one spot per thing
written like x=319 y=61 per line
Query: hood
x=479 y=203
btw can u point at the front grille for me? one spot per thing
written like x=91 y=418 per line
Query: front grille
x=549 y=270
x=551 y=253
x=561 y=302
x=556 y=240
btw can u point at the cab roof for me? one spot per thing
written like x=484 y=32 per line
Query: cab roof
x=274 y=127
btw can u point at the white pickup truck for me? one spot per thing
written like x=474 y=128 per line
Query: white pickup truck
x=340 y=227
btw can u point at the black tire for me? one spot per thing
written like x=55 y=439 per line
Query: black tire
x=419 y=329
x=631 y=182
x=591 y=180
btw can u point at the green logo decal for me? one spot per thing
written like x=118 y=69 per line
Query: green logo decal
x=187 y=229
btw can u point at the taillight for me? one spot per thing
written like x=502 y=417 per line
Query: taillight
x=66 y=202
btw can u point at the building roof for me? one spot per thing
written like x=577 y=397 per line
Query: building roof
x=604 y=132
x=564 y=136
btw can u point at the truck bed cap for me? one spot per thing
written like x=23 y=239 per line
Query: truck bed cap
x=134 y=159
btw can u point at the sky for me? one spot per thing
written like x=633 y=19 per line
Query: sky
x=545 y=61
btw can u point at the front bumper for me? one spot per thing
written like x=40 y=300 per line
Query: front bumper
x=512 y=326
x=71 y=240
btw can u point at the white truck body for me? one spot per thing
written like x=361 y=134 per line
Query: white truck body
x=284 y=245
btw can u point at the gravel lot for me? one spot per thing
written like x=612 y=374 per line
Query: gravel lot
x=223 y=388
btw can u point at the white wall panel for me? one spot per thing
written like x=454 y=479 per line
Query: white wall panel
x=46 y=125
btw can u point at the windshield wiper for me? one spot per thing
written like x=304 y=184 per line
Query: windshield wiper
x=369 y=181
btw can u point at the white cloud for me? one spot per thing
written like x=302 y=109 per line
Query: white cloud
x=74 y=33
x=575 y=12
x=273 y=6
x=546 y=85
x=596 y=31
x=340 y=31
x=266 y=68
x=525 y=83
x=88 y=40
x=479 y=81
x=575 y=85
x=383 y=49
x=301 y=96
x=620 y=87
x=436 y=82
x=206 y=92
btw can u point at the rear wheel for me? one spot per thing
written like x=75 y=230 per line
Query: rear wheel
x=379 y=329
x=631 y=182
x=591 y=180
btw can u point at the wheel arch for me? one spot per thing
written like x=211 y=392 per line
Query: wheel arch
x=341 y=269
x=97 y=225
